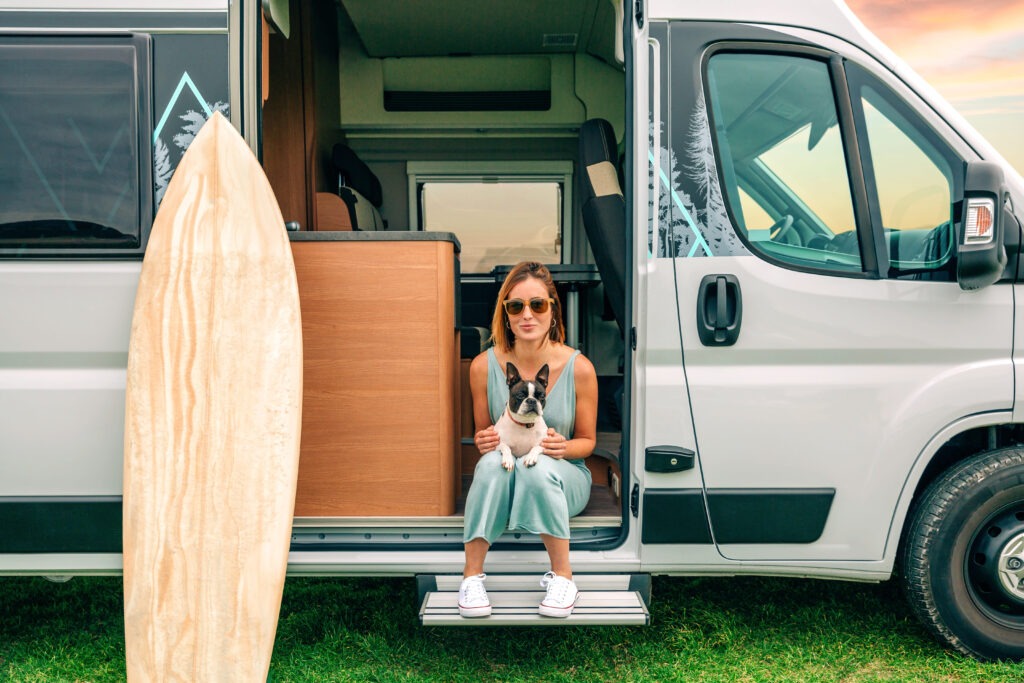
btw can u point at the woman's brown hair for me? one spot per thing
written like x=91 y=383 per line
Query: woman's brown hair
x=501 y=335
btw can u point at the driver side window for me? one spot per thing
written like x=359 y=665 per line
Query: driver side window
x=786 y=181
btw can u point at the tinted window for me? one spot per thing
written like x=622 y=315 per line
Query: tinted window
x=70 y=168
x=783 y=160
x=912 y=173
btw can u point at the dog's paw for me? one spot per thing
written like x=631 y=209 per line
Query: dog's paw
x=530 y=459
x=507 y=461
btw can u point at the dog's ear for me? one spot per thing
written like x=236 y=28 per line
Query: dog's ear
x=512 y=374
x=542 y=376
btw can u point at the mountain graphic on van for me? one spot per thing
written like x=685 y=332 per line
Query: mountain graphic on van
x=193 y=120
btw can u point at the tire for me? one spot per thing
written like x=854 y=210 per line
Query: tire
x=963 y=556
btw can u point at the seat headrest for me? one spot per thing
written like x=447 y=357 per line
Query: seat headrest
x=356 y=174
x=598 y=156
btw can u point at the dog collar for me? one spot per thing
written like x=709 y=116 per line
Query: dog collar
x=528 y=425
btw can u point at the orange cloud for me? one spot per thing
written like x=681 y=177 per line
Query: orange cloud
x=972 y=52
x=966 y=52
x=913 y=17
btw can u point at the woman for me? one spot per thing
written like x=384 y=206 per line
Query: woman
x=527 y=330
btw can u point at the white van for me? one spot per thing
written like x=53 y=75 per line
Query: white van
x=792 y=264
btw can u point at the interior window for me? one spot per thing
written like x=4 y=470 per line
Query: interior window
x=497 y=223
x=71 y=136
x=786 y=181
x=914 y=181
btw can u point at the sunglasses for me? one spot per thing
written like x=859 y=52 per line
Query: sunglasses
x=537 y=305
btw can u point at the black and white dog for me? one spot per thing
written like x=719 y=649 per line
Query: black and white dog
x=521 y=427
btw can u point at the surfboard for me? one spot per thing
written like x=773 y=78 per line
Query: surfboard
x=212 y=421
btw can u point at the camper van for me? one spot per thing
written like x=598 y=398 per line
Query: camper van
x=792 y=264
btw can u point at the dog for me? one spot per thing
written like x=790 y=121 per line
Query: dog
x=521 y=427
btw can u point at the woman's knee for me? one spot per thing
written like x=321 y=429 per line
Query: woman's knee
x=543 y=473
x=489 y=469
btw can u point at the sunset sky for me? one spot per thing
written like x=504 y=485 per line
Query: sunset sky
x=971 y=52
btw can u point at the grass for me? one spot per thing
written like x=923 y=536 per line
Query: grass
x=736 y=629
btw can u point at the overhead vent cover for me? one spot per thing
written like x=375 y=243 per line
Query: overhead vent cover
x=479 y=83
x=520 y=100
x=560 y=40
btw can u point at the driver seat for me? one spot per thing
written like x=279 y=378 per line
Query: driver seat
x=604 y=210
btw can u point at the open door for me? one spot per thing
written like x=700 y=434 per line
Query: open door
x=670 y=497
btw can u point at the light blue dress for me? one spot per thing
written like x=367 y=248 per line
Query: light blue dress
x=538 y=499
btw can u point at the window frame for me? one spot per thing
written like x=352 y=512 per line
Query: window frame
x=864 y=78
x=420 y=172
x=142 y=121
x=851 y=153
x=850 y=119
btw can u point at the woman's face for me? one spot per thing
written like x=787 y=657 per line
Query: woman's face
x=530 y=326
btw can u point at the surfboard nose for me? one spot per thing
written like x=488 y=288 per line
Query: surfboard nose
x=217 y=168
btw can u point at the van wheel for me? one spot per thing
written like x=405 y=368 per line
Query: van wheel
x=963 y=558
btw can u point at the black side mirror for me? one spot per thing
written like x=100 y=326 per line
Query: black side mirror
x=981 y=254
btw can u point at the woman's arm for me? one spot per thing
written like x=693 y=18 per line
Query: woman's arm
x=585 y=434
x=485 y=438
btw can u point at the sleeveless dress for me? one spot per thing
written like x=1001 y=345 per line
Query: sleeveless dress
x=538 y=499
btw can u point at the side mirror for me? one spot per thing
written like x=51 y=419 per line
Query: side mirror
x=981 y=254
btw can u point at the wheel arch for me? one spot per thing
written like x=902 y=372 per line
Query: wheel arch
x=955 y=443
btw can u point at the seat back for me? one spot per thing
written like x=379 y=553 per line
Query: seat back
x=359 y=188
x=604 y=210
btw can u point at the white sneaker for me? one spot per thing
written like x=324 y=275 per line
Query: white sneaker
x=561 y=596
x=473 y=601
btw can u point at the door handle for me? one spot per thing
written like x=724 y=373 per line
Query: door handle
x=719 y=310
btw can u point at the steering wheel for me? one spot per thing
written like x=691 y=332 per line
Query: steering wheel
x=781 y=228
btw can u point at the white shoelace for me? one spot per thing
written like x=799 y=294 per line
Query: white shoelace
x=557 y=588
x=475 y=590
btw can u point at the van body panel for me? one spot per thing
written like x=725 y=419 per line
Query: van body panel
x=835 y=384
x=848 y=411
x=116 y=5
x=63 y=353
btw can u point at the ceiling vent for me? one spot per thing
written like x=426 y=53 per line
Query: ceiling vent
x=560 y=40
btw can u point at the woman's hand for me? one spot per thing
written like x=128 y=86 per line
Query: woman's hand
x=487 y=440
x=554 y=444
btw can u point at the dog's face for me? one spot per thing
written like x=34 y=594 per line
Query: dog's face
x=526 y=397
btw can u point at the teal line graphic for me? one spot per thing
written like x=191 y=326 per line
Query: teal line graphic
x=120 y=199
x=35 y=166
x=686 y=214
x=185 y=80
x=98 y=165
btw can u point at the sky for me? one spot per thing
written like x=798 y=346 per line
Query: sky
x=971 y=52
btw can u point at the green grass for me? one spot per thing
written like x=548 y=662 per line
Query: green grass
x=738 y=629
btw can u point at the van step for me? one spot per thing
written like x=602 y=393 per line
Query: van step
x=605 y=599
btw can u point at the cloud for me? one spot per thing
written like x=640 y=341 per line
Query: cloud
x=972 y=53
x=912 y=17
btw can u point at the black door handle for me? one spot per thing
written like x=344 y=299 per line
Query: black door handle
x=719 y=310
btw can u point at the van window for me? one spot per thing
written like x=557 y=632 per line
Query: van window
x=72 y=144
x=502 y=212
x=497 y=223
x=911 y=171
x=784 y=165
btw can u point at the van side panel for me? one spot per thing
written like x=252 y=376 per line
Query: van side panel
x=65 y=320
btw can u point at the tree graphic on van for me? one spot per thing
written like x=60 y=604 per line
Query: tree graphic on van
x=685 y=228
x=702 y=169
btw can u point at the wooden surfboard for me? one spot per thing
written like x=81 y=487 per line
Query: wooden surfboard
x=212 y=421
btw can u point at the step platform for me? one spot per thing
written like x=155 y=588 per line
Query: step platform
x=604 y=600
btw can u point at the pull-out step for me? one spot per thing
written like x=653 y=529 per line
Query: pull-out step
x=605 y=599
